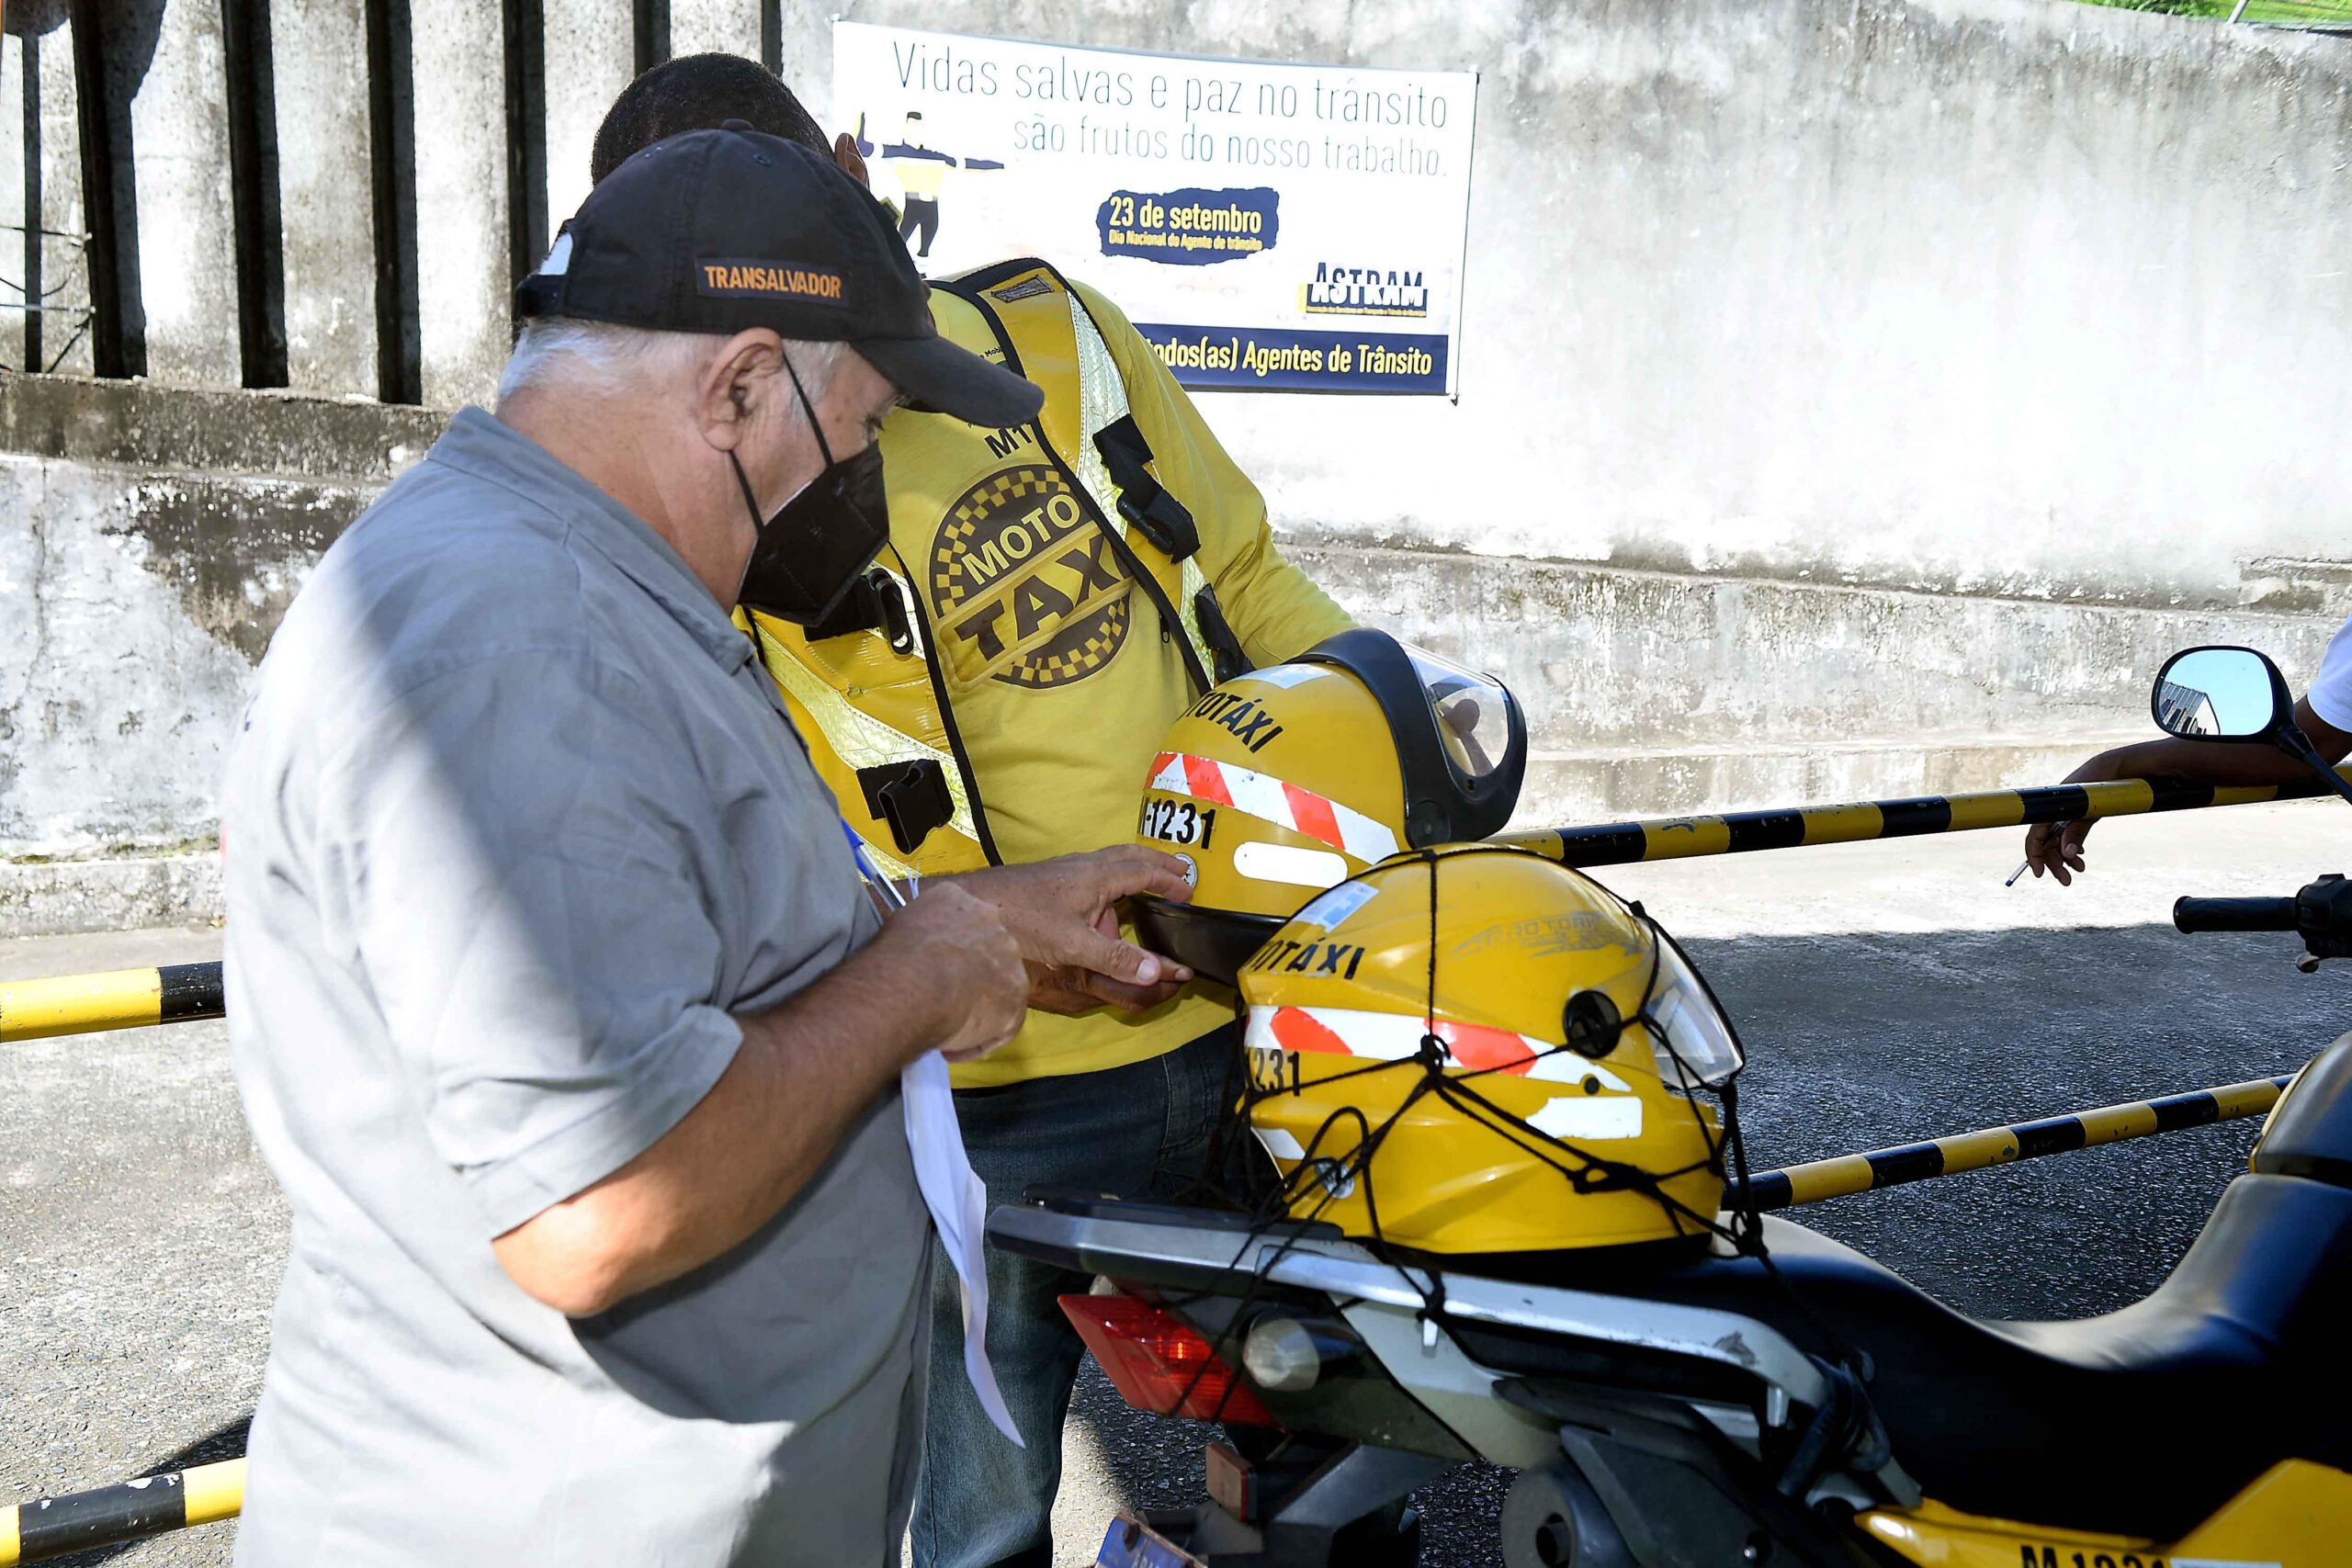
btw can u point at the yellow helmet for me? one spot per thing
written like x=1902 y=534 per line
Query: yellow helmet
x=1545 y=1041
x=1289 y=780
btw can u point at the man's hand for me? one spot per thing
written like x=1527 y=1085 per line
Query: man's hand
x=1075 y=990
x=959 y=952
x=2057 y=847
x=1063 y=912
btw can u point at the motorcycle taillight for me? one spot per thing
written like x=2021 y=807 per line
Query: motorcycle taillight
x=1162 y=1364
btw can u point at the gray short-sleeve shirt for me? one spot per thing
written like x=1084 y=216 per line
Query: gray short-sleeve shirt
x=512 y=825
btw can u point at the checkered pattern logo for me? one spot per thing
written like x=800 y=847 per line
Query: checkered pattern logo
x=1026 y=587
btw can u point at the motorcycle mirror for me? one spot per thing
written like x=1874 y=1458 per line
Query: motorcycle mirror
x=2234 y=694
x=2221 y=694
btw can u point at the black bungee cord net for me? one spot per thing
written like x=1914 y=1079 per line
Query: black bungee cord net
x=1847 y=1415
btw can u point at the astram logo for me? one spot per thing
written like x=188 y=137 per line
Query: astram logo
x=1364 y=291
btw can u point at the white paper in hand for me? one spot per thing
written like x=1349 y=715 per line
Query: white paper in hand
x=959 y=1207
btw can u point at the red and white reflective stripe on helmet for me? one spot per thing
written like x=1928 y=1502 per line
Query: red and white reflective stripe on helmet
x=1284 y=805
x=1395 y=1036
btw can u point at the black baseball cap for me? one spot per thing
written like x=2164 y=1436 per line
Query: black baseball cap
x=722 y=230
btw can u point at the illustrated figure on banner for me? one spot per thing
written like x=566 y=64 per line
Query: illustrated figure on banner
x=921 y=170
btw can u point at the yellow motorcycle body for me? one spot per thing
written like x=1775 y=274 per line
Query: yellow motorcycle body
x=2298 y=1514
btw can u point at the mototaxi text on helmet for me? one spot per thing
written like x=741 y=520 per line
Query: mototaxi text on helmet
x=1285 y=781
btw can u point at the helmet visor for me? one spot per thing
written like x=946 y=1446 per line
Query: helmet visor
x=1472 y=713
x=1692 y=1040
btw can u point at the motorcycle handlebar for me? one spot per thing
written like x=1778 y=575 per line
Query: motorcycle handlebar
x=2234 y=914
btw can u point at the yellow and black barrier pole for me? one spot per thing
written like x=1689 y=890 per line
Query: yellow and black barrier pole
x=130 y=1510
x=119 y=998
x=1741 y=832
x=1848 y=1174
x=131 y=998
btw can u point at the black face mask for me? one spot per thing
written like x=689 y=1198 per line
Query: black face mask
x=810 y=554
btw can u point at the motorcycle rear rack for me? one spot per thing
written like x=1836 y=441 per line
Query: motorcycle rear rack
x=1211 y=1256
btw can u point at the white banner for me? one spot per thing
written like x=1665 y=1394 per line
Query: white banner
x=1265 y=225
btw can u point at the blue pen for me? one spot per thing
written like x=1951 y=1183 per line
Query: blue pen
x=882 y=885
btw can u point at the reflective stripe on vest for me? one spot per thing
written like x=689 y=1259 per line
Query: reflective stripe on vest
x=1101 y=403
x=860 y=740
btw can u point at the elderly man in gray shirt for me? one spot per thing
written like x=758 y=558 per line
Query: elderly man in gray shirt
x=558 y=1005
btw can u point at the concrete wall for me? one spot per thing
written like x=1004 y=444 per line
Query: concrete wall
x=1857 y=400
x=167 y=530
x=1655 y=692
x=153 y=539
x=1980 y=296
x=1984 y=296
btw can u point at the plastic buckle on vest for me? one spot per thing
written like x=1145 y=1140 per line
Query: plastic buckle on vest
x=1161 y=518
x=913 y=798
x=1224 y=647
x=1144 y=502
x=877 y=602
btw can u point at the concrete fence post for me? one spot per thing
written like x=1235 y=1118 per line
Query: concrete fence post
x=22 y=231
x=591 y=55
x=462 y=285
x=319 y=64
x=186 y=262
x=805 y=61
x=63 y=251
x=724 y=27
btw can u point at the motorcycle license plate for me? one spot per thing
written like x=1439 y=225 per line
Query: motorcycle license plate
x=1127 y=1544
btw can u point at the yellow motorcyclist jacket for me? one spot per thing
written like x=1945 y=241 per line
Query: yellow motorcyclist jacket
x=1053 y=597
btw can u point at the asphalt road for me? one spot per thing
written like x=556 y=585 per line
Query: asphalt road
x=1886 y=992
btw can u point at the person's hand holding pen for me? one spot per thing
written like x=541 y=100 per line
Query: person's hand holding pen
x=1063 y=912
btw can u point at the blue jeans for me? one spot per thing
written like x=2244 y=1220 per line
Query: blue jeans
x=1142 y=1131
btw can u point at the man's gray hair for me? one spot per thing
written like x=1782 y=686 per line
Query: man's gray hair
x=602 y=356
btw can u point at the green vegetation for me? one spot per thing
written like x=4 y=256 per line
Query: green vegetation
x=2256 y=10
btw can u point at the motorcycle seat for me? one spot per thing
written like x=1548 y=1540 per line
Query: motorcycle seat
x=2141 y=1422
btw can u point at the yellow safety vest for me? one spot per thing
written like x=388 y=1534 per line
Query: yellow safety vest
x=871 y=698
x=1045 y=605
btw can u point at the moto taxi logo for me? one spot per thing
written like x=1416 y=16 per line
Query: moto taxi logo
x=1026 y=590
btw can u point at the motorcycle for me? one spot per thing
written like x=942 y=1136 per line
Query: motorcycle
x=1754 y=1392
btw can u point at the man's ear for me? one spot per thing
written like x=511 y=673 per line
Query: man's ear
x=846 y=154
x=740 y=371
